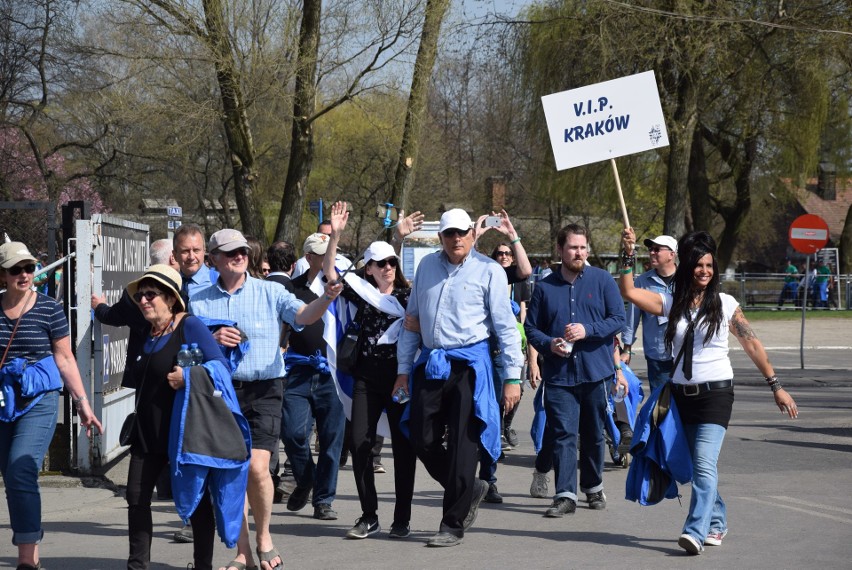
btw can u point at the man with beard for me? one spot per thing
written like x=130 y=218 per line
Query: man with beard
x=573 y=316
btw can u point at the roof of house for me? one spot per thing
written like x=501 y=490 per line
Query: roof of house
x=832 y=211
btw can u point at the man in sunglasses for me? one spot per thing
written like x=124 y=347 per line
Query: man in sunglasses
x=459 y=297
x=258 y=308
x=660 y=278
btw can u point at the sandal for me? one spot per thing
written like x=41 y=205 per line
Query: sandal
x=239 y=566
x=268 y=557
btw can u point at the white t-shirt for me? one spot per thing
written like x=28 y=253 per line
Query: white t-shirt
x=710 y=361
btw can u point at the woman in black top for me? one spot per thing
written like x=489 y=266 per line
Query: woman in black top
x=374 y=377
x=156 y=378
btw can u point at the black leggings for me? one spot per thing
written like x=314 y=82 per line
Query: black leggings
x=142 y=475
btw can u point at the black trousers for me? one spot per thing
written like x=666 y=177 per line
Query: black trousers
x=369 y=397
x=142 y=475
x=436 y=406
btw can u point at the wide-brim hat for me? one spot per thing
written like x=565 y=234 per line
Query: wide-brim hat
x=165 y=276
x=13 y=253
x=378 y=251
x=664 y=241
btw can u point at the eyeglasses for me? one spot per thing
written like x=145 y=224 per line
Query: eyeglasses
x=148 y=295
x=390 y=261
x=234 y=253
x=502 y=253
x=452 y=232
x=656 y=249
x=17 y=269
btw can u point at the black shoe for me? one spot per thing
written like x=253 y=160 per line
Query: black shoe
x=444 y=539
x=399 y=530
x=324 y=512
x=505 y=445
x=364 y=528
x=561 y=506
x=480 y=489
x=597 y=501
x=184 y=534
x=626 y=440
x=298 y=498
x=493 y=496
x=511 y=436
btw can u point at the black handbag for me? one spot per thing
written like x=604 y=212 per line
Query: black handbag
x=128 y=429
x=349 y=346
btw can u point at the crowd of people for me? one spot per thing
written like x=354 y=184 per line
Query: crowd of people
x=443 y=359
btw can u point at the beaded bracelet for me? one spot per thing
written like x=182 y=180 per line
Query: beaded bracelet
x=628 y=260
x=516 y=240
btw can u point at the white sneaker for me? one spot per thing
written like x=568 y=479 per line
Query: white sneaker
x=538 y=488
x=714 y=537
x=689 y=544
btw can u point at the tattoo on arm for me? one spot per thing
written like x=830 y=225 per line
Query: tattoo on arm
x=740 y=325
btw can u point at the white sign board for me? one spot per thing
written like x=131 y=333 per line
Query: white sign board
x=605 y=120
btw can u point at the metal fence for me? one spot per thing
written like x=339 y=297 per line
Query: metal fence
x=763 y=290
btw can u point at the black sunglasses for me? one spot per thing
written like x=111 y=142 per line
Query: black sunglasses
x=149 y=295
x=657 y=249
x=17 y=269
x=391 y=260
x=451 y=232
x=502 y=253
x=236 y=252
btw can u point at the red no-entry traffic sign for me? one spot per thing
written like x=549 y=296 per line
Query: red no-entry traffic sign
x=808 y=233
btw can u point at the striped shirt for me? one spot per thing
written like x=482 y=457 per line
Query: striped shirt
x=39 y=327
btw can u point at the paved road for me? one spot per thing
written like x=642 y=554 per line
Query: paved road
x=785 y=483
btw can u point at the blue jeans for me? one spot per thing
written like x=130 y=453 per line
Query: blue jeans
x=572 y=411
x=659 y=372
x=23 y=444
x=706 y=508
x=309 y=394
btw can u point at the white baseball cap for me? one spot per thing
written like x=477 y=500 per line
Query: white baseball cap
x=378 y=251
x=664 y=241
x=455 y=219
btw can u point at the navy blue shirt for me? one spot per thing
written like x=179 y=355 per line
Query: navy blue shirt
x=39 y=327
x=593 y=301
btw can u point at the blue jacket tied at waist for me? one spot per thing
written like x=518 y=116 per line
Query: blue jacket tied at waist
x=210 y=442
x=478 y=357
x=317 y=361
x=23 y=384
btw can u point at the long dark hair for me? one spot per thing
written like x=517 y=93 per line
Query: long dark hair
x=399 y=280
x=690 y=248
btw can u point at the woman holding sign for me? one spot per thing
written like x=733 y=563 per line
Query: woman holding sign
x=700 y=317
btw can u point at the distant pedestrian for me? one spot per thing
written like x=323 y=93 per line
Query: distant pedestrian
x=791 y=284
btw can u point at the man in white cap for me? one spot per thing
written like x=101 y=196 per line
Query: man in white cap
x=459 y=297
x=660 y=278
x=258 y=308
x=301 y=266
x=311 y=395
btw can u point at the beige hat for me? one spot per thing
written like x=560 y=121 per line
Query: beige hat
x=13 y=253
x=164 y=275
x=226 y=240
x=316 y=243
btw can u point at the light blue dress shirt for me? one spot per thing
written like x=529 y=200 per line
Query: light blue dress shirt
x=654 y=335
x=202 y=279
x=259 y=308
x=458 y=306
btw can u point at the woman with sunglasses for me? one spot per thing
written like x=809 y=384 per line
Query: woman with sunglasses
x=33 y=332
x=375 y=376
x=156 y=377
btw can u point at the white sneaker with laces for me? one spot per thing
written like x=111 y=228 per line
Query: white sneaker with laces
x=689 y=544
x=714 y=537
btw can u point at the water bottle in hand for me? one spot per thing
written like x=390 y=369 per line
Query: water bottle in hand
x=184 y=357
x=619 y=394
x=197 y=354
x=400 y=396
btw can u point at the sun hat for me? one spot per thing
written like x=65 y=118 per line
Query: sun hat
x=165 y=276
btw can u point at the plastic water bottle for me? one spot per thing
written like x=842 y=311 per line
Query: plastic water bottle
x=401 y=396
x=197 y=354
x=184 y=357
x=619 y=394
x=566 y=346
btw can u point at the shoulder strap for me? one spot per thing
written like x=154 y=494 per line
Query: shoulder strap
x=14 y=330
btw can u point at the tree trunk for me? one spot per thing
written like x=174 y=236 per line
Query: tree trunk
x=735 y=216
x=235 y=121
x=423 y=66
x=846 y=245
x=699 y=187
x=680 y=147
x=302 y=136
